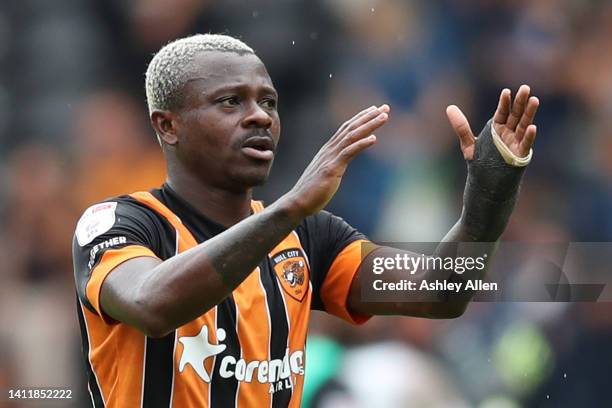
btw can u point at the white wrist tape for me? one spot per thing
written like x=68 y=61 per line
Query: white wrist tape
x=507 y=154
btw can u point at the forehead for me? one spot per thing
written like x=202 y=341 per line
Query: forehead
x=212 y=70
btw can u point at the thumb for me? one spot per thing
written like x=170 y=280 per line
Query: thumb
x=461 y=126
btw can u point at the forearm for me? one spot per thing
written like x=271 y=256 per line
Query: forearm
x=462 y=241
x=187 y=285
x=475 y=234
x=459 y=242
x=490 y=194
x=426 y=302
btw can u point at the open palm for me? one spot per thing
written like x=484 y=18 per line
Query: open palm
x=513 y=122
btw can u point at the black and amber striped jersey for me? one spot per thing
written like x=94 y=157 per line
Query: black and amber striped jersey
x=249 y=350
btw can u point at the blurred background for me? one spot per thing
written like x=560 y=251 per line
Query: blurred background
x=74 y=129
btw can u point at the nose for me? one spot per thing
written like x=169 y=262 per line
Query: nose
x=257 y=117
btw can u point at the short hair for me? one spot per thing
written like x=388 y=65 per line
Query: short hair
x=169 y=69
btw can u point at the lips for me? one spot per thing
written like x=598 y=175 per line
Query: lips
x=259 y=148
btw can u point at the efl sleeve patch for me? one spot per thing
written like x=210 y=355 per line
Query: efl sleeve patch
x=95 y=221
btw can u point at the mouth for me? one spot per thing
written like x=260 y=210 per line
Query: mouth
x=259 y=148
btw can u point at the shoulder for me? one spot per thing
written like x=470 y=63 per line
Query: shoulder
x=320 y=219
x=116 y=212
x=324 y=234
x=325 y=224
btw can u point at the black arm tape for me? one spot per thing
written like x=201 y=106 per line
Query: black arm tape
x=491 y=189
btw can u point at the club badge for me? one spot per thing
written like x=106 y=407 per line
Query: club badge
x=292 y=271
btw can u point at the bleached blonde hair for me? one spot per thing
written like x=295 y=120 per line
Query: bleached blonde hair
x=170 y=68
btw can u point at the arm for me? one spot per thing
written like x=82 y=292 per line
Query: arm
x=156 y=297
x=489 y=197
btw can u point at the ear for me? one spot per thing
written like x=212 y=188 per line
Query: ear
x=164 y=123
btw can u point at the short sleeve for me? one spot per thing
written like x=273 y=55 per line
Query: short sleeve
x=108 y=234
x=333 y=248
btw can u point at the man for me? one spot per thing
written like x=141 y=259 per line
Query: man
x=195 y=295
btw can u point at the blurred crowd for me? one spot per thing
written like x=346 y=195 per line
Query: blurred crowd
x=74 y=130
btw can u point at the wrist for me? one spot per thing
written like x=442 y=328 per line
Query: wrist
x=290 y=205
x=489 y=174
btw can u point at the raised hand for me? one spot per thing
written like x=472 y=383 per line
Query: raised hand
x=322 y=177
x=513 y=122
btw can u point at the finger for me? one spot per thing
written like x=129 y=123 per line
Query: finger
x=356 y=116
x=503 y=107
x=528 y=117
x=366 y=117
x=364 y=130
x=372 y=109
x=355 y=123
x=528 y=140
x=518 y=107
x=461 y=126
x=349 y=152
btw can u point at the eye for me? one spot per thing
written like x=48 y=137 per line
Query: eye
x=229 y=101
x=269 y=103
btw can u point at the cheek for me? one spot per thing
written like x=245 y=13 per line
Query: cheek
x=208 y=135
x=276 y=128
x=212 y=135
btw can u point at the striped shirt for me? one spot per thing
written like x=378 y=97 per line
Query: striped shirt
x=249 y=350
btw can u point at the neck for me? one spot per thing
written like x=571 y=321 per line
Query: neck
x=224 y=207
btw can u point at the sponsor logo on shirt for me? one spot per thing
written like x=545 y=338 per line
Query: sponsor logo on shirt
x=279 y=373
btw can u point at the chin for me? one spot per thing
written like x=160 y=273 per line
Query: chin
x=254 y=177
x=256 y=180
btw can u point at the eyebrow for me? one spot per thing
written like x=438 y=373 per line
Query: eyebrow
x=238 y=87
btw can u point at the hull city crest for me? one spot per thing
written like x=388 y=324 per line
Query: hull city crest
x=292 y=271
